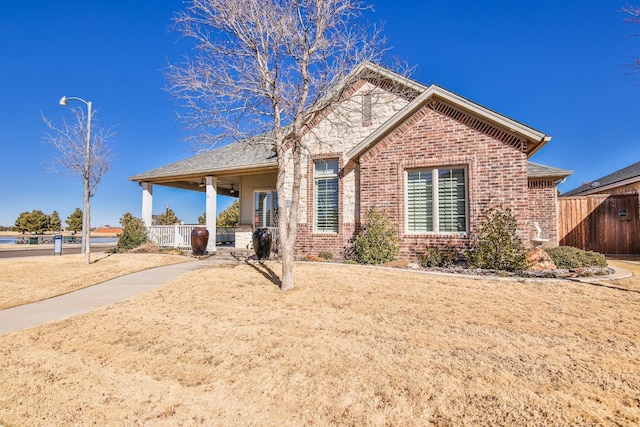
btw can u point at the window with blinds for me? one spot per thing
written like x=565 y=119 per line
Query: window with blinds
x=452 y=206
x=436 y=201
x=420 y=200
x=326 y=196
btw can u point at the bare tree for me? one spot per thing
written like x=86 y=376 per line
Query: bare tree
x=83 y=151
x=634 y=17
x=268 y=67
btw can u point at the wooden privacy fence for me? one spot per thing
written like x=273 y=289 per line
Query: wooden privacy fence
x=602 y=223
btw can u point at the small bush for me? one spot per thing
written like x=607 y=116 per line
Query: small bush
x=569 y=257
x=325 y=255
x=377 y=243
x=436 y=257
x=496 y=245
x=134 y=234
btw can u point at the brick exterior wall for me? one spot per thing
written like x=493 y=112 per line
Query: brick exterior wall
x=496 y=174
x=543 y=208
x=437 y=136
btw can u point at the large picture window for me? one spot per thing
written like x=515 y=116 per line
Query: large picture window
x=325 y=218
x=436 y=200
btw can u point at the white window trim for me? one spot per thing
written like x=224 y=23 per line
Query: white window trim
x=315 y=199
x=272 y=196
x=436 y=202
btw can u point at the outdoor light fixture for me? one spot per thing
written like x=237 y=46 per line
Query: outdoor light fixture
x=86 y=248
x=202 y=183
x=232 y=189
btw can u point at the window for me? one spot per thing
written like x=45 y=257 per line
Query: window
x=436 y=201
x=266 y=208
x=325 y=196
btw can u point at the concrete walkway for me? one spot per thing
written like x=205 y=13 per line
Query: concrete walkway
x=103 y=294
x=122 y=288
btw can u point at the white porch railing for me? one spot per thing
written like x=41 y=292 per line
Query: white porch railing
x=179 y=235
x=171 y=236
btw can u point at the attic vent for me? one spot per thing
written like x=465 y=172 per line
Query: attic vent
x=479 y=125
x=542 y=183
x=366 y=109
x=595 y=184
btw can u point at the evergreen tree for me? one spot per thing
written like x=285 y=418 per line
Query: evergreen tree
x=202 y=220
x=125 y=219
x=134 y=233
x=168 y=217
x=230 y=217
x=22 y=221
x=54 y=221
x=74 y=221
x=35 y=221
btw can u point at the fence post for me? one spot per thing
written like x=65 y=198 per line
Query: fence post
x=176 y=235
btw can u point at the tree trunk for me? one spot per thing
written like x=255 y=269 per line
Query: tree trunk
x=288 y=260
x=290 y=203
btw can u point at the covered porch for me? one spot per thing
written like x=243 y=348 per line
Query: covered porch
x=246 y=171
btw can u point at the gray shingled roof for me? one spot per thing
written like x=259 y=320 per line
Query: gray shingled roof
x=241 y=155
x=536 y=170
x=629 y=173
x=235 y=156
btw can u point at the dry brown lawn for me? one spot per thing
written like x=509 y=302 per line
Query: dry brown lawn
x=25 y=280
x=349 y=345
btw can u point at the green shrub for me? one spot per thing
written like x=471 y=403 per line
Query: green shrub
x=134 y=233
x=436 y=257
x=496 y=245
x=377 y=242
x=325 y=255
x=569 y=257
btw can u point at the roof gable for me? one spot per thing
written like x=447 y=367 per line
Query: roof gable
x=461 y=109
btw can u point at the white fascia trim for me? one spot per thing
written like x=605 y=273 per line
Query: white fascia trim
x=192 y=172
x=457 y=101
x=503 y=121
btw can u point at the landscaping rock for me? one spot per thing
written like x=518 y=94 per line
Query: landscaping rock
x=539 y=260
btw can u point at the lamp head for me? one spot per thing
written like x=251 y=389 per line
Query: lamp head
x=63 y=101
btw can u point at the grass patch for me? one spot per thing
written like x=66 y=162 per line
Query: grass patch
x=349 y=345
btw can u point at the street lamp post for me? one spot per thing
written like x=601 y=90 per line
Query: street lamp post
x=86 y=223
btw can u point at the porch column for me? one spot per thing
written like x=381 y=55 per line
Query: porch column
x=147 y=203
x=211 y=206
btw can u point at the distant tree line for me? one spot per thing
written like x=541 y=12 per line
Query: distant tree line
x=37 y=221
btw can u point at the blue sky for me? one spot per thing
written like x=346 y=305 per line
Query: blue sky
x=557 y=66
